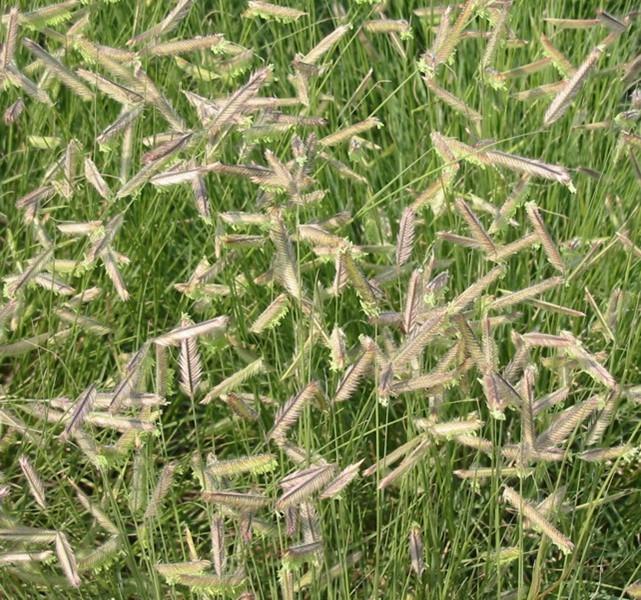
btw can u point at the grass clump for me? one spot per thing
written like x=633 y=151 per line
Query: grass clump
x=320 y=300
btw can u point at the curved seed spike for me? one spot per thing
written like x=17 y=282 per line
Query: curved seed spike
x=393 y=456
x=12 y=558
x=233 y=381
x=168 y=24
x=272 y=315
x=490 y=351
x=546 y=239
x=537 y=519
x=94 y=177
x=516 y=196
x=34 y=267
x=557 y=308
x=305 y=488
x=115 y=91
x=317 y=52
x=500 y=24
x=13 y=112
x=449 y=429
x=161 y=490
x=498 y=393
x=166 y=150
x=412 y=301
x=572 y=23
x=254 y=463
x=101 y=555
x=211 y=583
x=360 y=283
x=238 y=100
x=416 y=550
x=161 y=365
x=16 y=78
x=67 y=559
x=550 y=400
x=218 y=545
x=201 y=197
x=285 y=264
x=470 y=342
x=566 y=422
x=138 y=481
x=405 y=239
x=488 y=472
x=445 y=50
x=417 y=454
x=128 y=382
x=111 y=267
x=126 y=118
x=512 y=298
x=237 y=500
x=453 y=101
x=342 y=480
x=387 y=26
x=240 y=406
x=36 y=487
x=31 y=535
x=215 y=326
x=309 y=523
x=297 y=477
x=475 y=290
x=424 y=382
x=476 y=227
x=422 y=335
x=265 y=10
x=11 y=38
x=95 y=511
x=604 y=417
x=82 y=406
x=529 y=166
x=589 y=363
x=563 y=99
x=171 y=571
x=527 y=401
x=345 y=134
x=606 y=454
x=50 y=14
x=517 y=363
x=67 y=77
x=288 y=413
x=337 y=349
x=559 y=60
x=215 y=42
x=190 y=366
x=352 y=377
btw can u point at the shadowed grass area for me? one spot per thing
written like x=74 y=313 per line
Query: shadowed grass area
x=474 y=544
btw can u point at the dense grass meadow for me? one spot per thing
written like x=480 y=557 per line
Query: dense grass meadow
x=321 y=299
